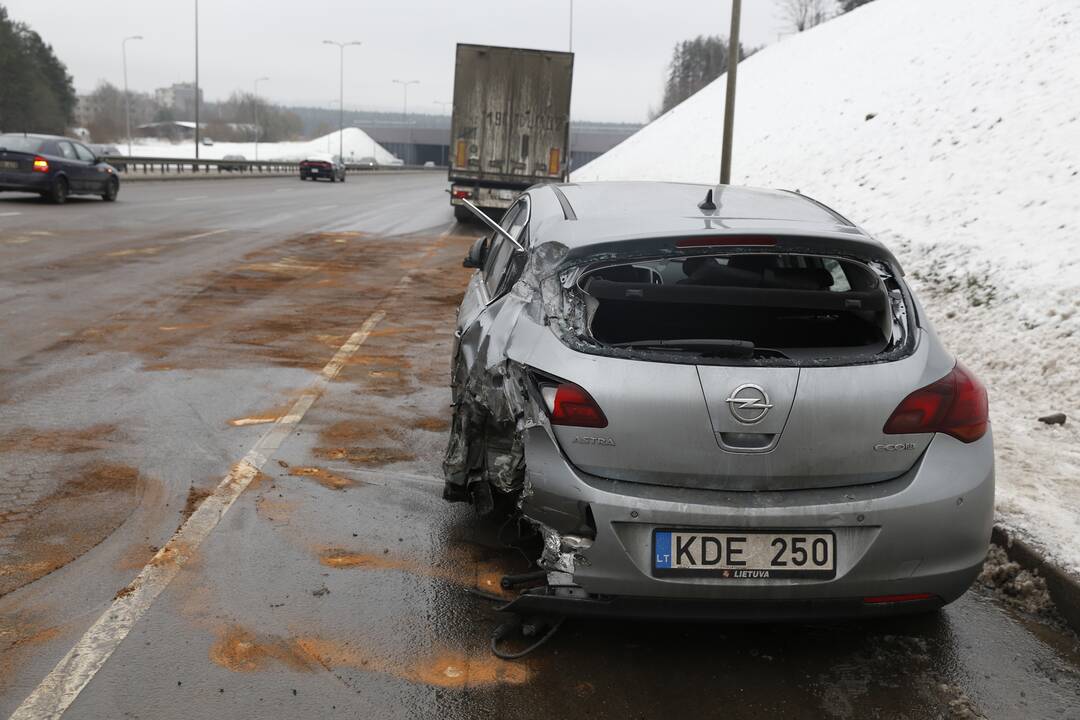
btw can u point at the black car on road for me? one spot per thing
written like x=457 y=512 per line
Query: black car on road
x=322 y=166
x=54 y=167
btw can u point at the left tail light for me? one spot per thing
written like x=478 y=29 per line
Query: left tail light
x=955 y=405
x=570 y=404
x=41 y=164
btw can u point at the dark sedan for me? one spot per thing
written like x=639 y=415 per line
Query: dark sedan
x=322 y=166
x=54 y=167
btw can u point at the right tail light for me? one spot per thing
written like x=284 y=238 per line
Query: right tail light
x=955 y=405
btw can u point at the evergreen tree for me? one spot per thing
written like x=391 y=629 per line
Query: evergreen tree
x=694 y=64
x=36 y=91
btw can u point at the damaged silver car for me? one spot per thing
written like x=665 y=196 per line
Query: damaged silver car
x=714 y=403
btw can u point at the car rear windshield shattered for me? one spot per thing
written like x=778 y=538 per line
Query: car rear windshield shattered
x=785 y=308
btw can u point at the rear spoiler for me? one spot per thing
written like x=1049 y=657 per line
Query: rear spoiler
x=856 y=246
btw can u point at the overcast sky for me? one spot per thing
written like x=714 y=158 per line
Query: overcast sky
x=621 y=46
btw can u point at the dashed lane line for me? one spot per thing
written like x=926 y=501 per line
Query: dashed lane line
x=190 y=197
x=10 y=214
x=202 y=235
x=78 y=667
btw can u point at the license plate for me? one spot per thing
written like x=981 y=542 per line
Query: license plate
x=744 y=555
x=9 y=165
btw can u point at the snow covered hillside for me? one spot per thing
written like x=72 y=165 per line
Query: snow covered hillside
x=356 y=144
x=950 y=129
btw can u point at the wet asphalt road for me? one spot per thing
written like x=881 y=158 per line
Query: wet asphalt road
x=146 y=346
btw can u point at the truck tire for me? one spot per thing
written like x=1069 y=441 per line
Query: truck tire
x=462 y=214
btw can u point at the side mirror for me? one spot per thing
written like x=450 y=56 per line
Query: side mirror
x=477 y=254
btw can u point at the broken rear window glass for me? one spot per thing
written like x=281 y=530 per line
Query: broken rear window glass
x=744 y=305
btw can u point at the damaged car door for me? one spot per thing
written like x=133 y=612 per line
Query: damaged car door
x=476 y=458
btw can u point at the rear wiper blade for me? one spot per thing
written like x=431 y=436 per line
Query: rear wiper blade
x=710 y=346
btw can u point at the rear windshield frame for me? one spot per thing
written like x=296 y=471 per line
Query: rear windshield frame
x=570 y=281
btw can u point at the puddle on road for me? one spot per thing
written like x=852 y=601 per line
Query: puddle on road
x=366 y=456
x=463 y=567
x=434 y=424
x=240 y=650
x=324 y=477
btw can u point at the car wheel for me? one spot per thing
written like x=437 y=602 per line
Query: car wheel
x=112 y=189
x=333 y=178
x=58 y=193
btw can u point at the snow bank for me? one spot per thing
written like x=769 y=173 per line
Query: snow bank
x=356 y=144
x=951 y=131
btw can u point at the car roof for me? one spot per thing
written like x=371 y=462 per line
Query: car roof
x=599 y=216
x=39 y=136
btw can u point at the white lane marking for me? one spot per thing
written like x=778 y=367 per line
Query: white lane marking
x=202 y=235
x=324 y=207
x=10 y=214
x=190 y=197
x=77 y=668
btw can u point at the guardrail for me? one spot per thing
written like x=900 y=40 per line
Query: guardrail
x=171 y=166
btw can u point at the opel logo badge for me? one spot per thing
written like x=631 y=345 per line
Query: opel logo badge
x=749 y=404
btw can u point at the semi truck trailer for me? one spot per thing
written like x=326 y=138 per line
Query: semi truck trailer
x=510 y=127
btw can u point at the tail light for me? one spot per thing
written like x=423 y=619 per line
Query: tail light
x=570 y=404
x=459 y=194
x=554 y=155
x=41 y=164
x=955 y=405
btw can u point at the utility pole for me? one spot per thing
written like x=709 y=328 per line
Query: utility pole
x=255 y=107
x=729 y=100
x=127 y=96
x=405 y=114
x=341 y=94
x=571 y=25
x=196 y=79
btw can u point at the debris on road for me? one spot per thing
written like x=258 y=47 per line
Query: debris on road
x=1053 y=419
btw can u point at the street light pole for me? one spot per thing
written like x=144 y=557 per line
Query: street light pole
x=571 y=25
x=127 y=96
x=729 y=100
x=341 y=94
x=255 y=107
x=405 y=112
x=196 y=79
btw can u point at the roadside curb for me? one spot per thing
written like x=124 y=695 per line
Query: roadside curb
x=1064 y=589
x=179 y=177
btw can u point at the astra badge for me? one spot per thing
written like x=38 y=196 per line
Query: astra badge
x=583 y=440
x=749 y=404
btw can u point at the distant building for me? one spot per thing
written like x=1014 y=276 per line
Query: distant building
x=179 y=97
x=427 y=138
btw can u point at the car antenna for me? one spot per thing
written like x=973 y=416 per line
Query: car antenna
x=707 y=203
x=491 y=223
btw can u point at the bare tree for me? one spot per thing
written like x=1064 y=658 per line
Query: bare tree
x=804 y=14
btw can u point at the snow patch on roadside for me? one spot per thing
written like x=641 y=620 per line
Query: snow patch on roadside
x=355 y=144
x=931 y=126
x=1017 y=587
